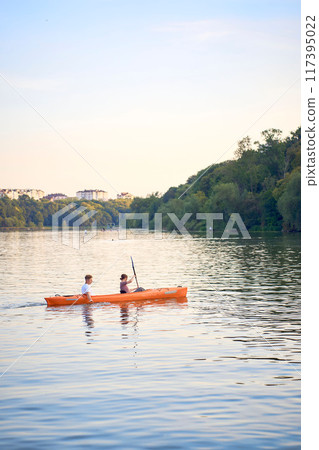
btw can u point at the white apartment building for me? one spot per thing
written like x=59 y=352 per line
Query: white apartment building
x=93 y=194
x=14 y=194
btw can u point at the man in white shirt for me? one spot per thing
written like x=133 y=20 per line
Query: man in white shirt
x=86 y=288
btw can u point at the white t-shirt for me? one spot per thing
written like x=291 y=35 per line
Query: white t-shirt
x=86 y=288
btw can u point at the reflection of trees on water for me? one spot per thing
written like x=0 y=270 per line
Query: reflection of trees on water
x=254 y=283
x=270 y=261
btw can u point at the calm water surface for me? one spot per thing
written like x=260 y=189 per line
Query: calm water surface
x=218 y=371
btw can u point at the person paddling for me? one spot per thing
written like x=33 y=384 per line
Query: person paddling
x=86 y=288
x=124 y=289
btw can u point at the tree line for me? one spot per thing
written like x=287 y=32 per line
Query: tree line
x=262 y=184
x=29 y=213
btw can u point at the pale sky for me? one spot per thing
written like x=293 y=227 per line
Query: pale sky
x=148 y=92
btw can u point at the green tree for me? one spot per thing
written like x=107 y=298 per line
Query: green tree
x=243 y=146
x=225 y=198
x=38 y=219
x=289 y=203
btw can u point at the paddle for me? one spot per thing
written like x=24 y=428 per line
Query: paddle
x=134 y=272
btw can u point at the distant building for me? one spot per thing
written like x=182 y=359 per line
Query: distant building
x=125 y=195
x=14 y=194
x=93 y=194
x=54 y=197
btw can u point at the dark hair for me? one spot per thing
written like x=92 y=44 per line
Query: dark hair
x=88 y=277
x=123 y=276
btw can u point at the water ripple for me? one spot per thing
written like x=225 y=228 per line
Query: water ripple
x=220 y=371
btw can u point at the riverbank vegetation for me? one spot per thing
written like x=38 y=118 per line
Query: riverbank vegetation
x=262 y=184
x=28 y=213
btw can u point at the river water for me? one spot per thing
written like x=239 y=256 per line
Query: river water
x=218 y=370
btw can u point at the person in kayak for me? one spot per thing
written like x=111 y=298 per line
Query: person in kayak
x=124 y=289
x=86 y=288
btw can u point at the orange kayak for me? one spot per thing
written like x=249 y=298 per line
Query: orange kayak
x=149 y=294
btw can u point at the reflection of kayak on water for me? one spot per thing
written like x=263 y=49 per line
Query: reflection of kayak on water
x=148 y=294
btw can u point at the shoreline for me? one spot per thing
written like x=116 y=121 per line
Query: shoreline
x=252 y=232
